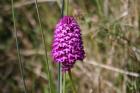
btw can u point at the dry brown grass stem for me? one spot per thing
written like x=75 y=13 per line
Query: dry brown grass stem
x=107 y=67
x=29 y=2
x=114 y=69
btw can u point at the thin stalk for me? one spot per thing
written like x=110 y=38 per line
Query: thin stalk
x=99 y=7
x=66 y=12
x=21 y=67
x=59 y=78
x=72 y=82
x=64 y=83
x=45 y=48
x=59 y=65
x=66 y=7
x=62 y=8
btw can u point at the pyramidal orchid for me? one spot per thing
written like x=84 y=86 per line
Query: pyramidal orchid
x=67 y=44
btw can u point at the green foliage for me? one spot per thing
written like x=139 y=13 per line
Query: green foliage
x=111 y=37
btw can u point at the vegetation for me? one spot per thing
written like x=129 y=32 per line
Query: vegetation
x=111 y=36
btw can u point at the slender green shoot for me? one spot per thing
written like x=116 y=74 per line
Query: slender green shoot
x=72 y=82
x=64 y=83
x=21 y=67
x=62 y=8
x=66 y=11
x=99 y=7
x=59 y=90
x=45 y=48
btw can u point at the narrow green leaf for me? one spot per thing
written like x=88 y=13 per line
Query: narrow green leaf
x=17 y=47
x=59 y=79
x=72 y=82
x=59 y=65
x=51 y=90
x=64 y=83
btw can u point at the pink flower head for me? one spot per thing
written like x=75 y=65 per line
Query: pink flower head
x=67 y=43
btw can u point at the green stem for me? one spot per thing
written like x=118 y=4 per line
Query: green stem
x=66 y=7
x=72 y=82
x=45 y=48
x=18 y=50
x=99 y=7
x=64 y=83
x=59 y=90
x=59 y=78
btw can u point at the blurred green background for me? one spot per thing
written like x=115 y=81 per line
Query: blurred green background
x=111 y=36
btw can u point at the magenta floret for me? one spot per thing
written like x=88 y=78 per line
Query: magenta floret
x=67 y=43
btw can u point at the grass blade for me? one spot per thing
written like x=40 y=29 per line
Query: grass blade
x=59 y=65
x=64 y=83
x=62 y=8
x=18 y=50
x=45 y=48
x=99 y=7
x=72 y=82
x=59 y=90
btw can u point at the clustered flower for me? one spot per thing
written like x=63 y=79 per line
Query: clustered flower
x=67 y=44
